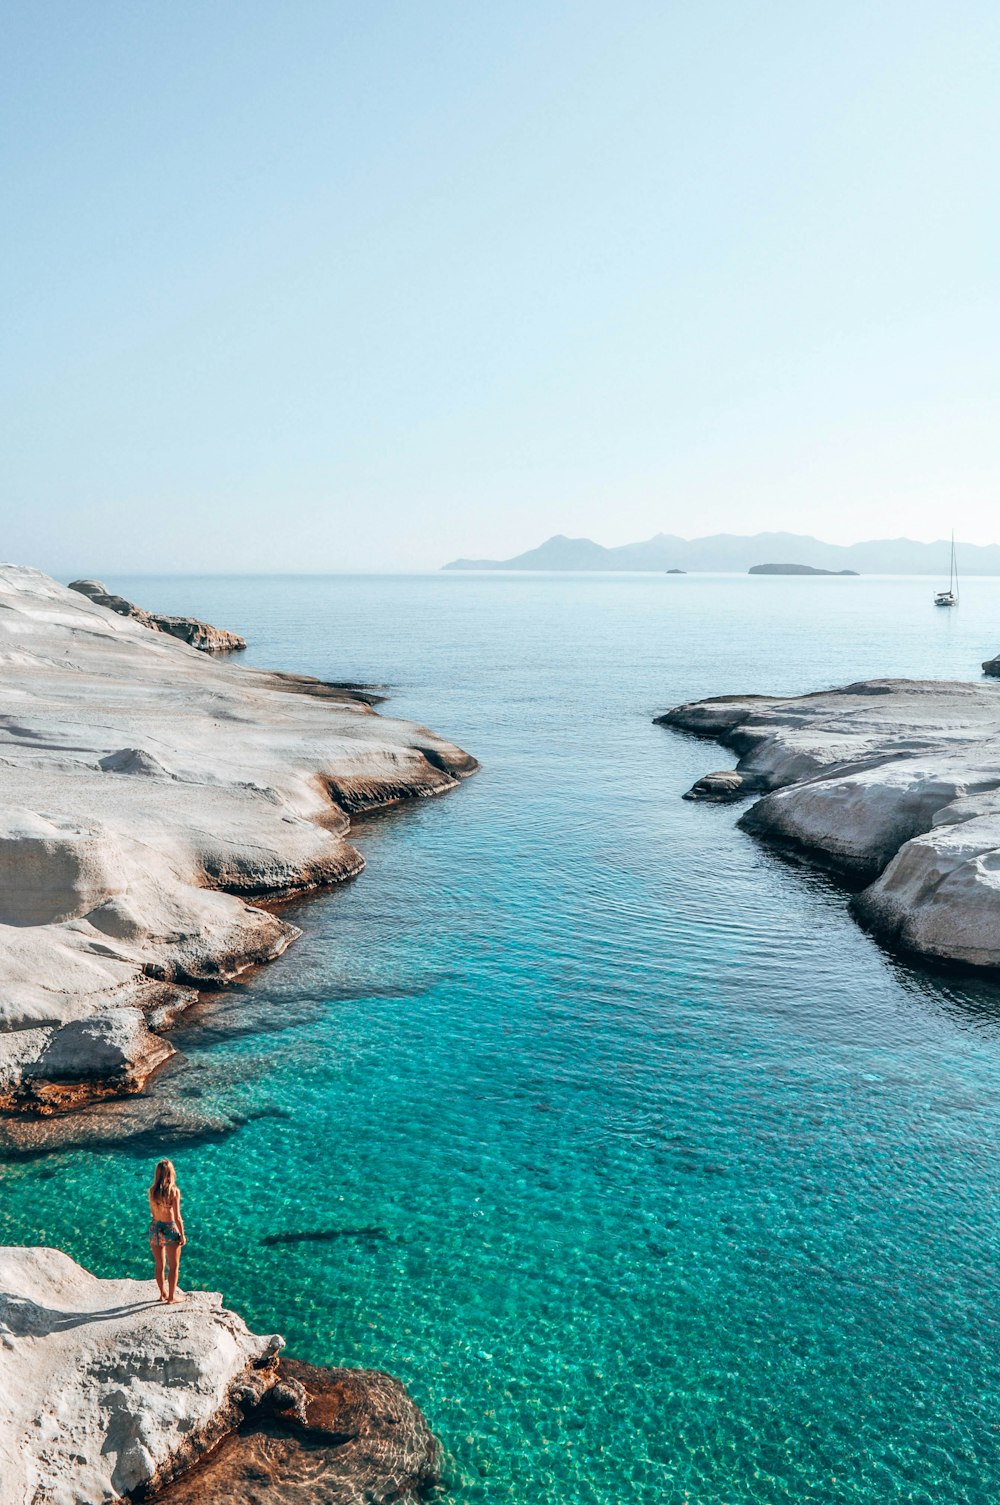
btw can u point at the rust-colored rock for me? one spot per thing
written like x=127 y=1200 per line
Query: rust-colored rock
x=319 y=1437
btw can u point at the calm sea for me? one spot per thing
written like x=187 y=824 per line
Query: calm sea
x=653 y=1177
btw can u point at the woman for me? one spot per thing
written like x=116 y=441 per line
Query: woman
x=166 y=1231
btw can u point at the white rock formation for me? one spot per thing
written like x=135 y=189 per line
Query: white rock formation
x=104 y=1389
x=897 y=781
x=148 y=795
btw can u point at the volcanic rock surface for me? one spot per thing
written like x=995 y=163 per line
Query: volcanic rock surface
x=896 y=782
x=189 y=629
x=108 y=1394
x=344 y=1436
x=149 y=795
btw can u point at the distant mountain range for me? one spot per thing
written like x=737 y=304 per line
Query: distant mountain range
x=733 y=551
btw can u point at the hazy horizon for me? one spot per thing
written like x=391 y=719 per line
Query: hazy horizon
x=311 y=288
x=154 y=573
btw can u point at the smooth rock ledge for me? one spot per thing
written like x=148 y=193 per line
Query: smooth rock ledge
x=107 y=1395
x=150 y=796
x=894 y=782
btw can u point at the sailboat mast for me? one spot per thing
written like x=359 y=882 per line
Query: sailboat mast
x=954 y=566
x=950 y=596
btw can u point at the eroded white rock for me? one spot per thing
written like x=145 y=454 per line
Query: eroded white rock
x=104 y=1389
x=149 y=795
x=897 y=781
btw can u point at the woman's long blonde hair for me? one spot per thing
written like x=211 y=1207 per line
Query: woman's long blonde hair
x=164 y=1182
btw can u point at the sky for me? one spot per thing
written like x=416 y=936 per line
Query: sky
x=297 y=286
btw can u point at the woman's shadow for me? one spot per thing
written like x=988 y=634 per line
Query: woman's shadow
x=21 y=1318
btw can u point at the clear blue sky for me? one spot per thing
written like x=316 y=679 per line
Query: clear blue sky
x=295 y=285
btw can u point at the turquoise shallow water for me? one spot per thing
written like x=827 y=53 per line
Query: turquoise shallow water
x=651 y=1174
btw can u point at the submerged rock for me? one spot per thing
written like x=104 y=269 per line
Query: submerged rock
x=896 y=782
x=150 y=795
x=333 y=1437
x=109 y=1395
x=141 y=1121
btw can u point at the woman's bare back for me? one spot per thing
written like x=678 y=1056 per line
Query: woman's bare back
x=166 y=1211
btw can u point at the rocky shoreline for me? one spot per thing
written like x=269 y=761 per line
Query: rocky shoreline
x=108 y=1395
x=895 y=783
x=152 y=797
x=200 y=635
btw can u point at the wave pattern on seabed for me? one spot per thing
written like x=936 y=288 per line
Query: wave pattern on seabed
x=650 y=1173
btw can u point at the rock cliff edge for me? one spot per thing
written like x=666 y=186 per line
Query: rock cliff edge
x=151 y=796
x=109 y=1395
x=896 y=782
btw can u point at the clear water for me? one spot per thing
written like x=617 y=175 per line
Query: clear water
x=657 y=1179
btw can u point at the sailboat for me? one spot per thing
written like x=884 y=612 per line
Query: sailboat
x=950 y=596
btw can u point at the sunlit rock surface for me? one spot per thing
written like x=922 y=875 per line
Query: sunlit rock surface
x=106 y=1390
x=106 y=1394
x=345 y=1436
x=149 y=796
x=896 y=782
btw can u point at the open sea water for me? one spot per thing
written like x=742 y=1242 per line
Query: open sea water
x=652 y=1175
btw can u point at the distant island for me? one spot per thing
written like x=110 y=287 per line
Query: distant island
x=668 y=553
x=794 y=569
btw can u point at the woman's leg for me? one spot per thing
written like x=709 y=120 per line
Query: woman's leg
x=158 y=1252
x=173 y=1266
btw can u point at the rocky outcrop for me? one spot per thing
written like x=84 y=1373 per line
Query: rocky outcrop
x=108 y=1395
x=201 y=635
x=321 y=1437
x=895 y=782
x=106 y=1390
x=991 y=666
x=150 y=797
